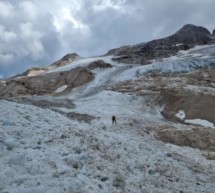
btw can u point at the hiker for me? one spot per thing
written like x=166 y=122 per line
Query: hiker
x=113 y=119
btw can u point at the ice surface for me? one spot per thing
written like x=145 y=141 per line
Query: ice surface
x=184 y=61
x=171 y=66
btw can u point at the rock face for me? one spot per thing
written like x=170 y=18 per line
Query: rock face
x=187 y=37
x=34 y=71
x=66 y=60
x=213 y=34
x=119 y=51
x=47 y=83
x=99 y=64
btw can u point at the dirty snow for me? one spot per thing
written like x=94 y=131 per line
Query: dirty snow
x=53 y=154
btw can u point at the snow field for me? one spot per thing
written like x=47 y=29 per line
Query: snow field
x=53 y=154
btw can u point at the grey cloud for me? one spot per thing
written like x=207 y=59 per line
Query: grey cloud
x=28 y=38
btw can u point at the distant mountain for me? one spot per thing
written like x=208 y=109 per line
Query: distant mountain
x=54 y=80
x=185 y=38
x=34 y=71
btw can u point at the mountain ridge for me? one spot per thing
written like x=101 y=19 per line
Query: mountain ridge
x=185 y=38
x=144 y=52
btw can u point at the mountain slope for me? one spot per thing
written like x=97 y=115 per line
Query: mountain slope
x=62 y=139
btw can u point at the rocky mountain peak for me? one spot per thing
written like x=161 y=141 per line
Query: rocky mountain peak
x=213 y=33
x=189 y=28
x=68 y=58
x=185 y=38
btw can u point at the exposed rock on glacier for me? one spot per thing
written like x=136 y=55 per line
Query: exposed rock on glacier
x=47 y=83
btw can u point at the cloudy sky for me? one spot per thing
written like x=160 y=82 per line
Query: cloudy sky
x=38 y=32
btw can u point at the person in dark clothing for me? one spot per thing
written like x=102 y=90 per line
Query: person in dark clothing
x=113 y=119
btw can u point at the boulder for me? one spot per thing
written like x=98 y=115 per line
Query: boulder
x=78 y=76
x=99 y=64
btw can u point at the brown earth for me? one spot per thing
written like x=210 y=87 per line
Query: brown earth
x=194 y=106
x=201 y=138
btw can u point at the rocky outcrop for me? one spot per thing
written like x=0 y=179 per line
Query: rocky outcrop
x=99 y=64
x=213 y=33
x=187 y=37
x=66 y=60
x=119 y=51
x=47 y=83
x=194 y=107
x=34 y=71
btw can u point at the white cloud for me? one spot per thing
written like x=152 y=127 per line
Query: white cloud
x=65 y=15
x=34 y=45
x=6 y=9
x=29 y=9
x=6 y=58
x=27 y=31
x=7 y=36
x=108 y=4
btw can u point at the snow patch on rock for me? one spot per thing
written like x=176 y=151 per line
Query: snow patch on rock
x=202 y=122
x=61 y=89
x=181 y=115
